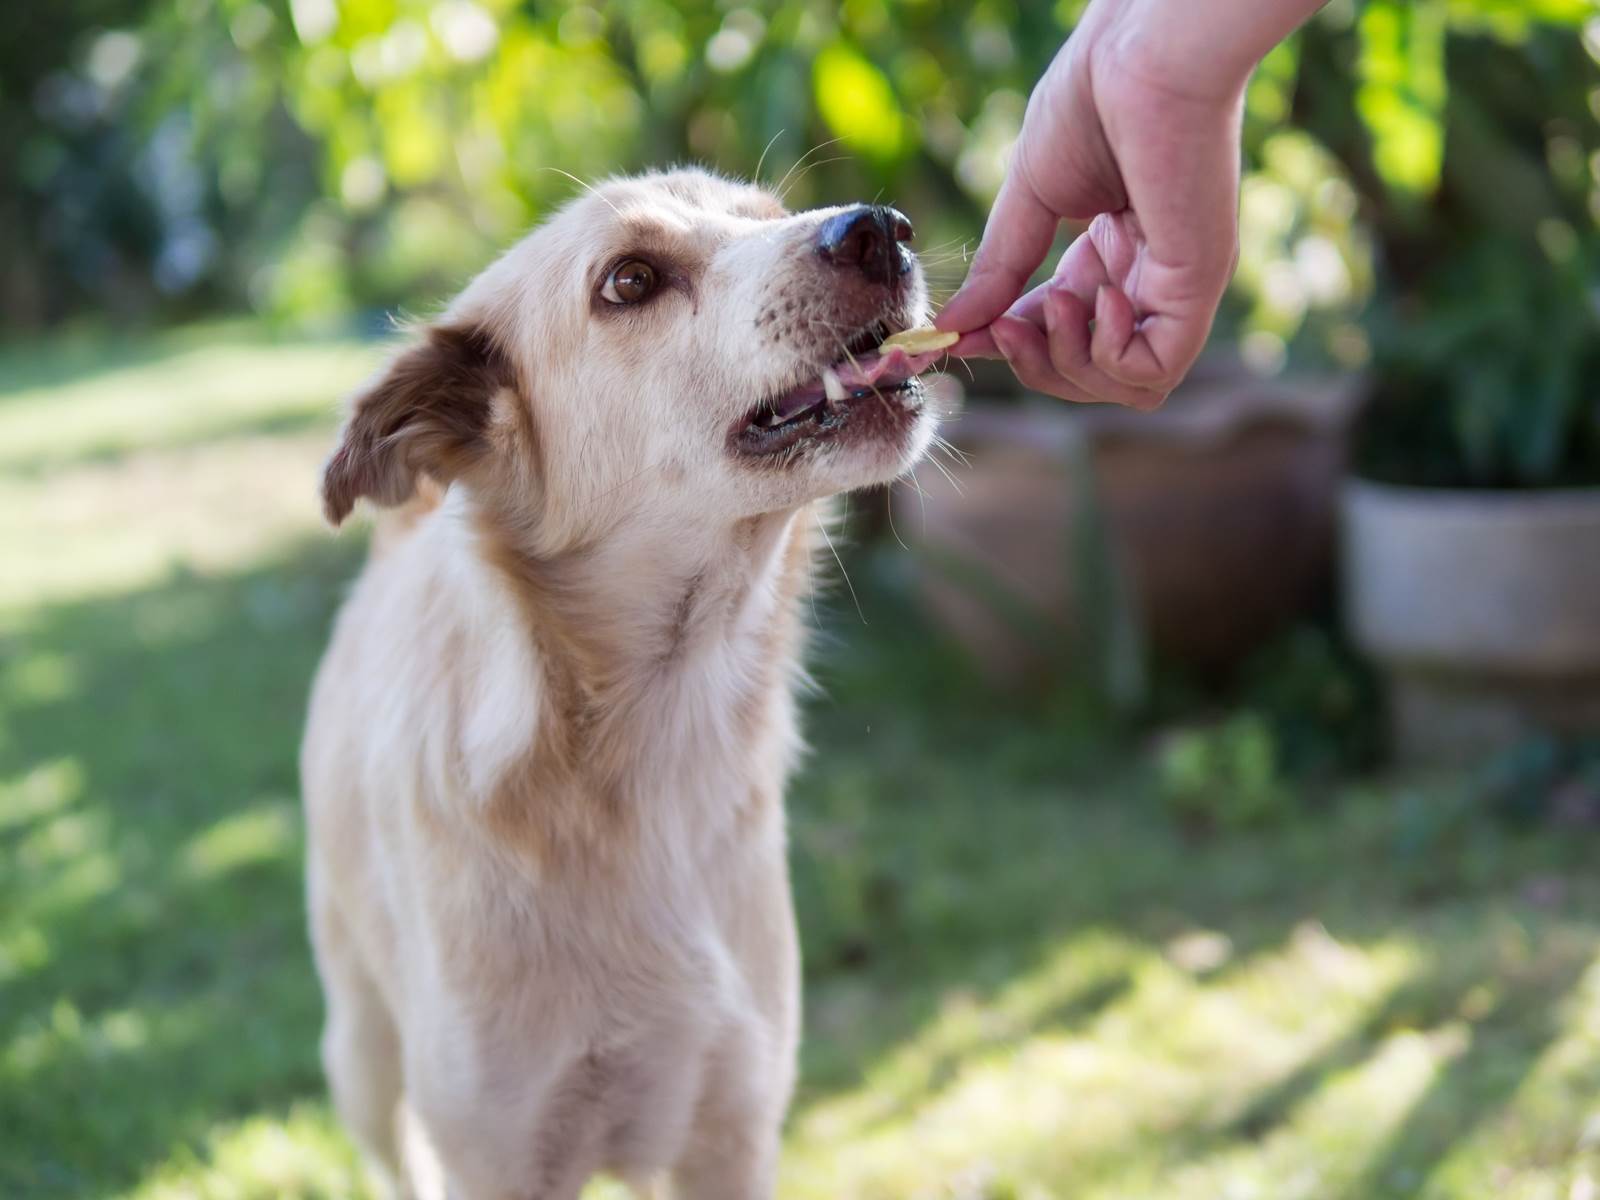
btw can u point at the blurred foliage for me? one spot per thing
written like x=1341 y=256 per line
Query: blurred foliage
x=1489 y=378
x=1227 y=777
x=1542 y=779
x=1541 y=782
x=1486 y=331
x=1319 y=700
x=375 y=151
x=1273 y=738
x=1416 y=169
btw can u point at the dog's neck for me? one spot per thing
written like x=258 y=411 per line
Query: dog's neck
x=654 y=642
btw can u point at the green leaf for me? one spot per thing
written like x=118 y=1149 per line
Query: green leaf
x=1402 y=94
x=858 y=104
x=1268 y=98
x=1539 y=435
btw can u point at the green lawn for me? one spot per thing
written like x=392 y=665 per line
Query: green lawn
x=1024 y=980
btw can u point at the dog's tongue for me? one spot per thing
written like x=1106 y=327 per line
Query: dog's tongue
x=867 y=371
x=896 y=365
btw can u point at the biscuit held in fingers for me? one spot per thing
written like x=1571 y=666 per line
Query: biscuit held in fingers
x=922 y=340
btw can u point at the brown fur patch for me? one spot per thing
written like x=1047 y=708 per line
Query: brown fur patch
x=550 y=807
x=565 y=806
x=428 y=413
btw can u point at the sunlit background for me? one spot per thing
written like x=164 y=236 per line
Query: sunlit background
x=1203 y=805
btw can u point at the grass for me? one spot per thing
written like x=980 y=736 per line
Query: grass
x=1024 y=980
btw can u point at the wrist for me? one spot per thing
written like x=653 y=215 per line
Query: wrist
x=1203 y=50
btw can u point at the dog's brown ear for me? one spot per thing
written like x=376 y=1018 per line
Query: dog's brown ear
x=428 y=412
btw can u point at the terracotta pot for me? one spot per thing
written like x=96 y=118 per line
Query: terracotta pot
x=1483 y=609
x=1217 y=515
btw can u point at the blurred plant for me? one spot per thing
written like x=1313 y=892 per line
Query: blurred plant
x=332 y=153
x=1542 y=778
x=1540 y=781
x=848 y=896
x=1319 y=700
x=1302 y=713
x=1225 y=777
x=1492 y=379
x=1484 y=191
x=309 y=156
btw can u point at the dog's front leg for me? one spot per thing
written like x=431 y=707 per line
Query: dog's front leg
x=737 y=1161
x=732 y=1150
x=497 y=1119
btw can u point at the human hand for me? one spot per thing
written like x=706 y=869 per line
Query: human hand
x=1134 y=128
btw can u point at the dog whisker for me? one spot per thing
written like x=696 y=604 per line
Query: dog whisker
x=922 y=496
x=586 y=186
x=843 y=573
x=756 y=174
x=784 y=194
x=795 y=165
x=943 y=470
x=888 y=502
x=955 y=452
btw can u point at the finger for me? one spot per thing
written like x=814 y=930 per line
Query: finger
x=1028 y=356
x=1031 y=306
x=1083 y=269
x=977 y=344
x=1067 y=328
x=1149 y=354
x=1114 y=320
x=1150 y=344
x=1016 y=238
x=1171 y=253
x=1071 y=353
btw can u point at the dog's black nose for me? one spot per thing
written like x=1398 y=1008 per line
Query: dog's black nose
x=867 y=237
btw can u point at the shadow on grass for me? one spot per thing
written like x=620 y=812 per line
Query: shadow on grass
x=948 y=844
x=86 y=357
x=74 y=360
x=1475 y=1086
x=1504 y=1043
x=154 y=969
x=210 y=435
x=157 y=982
x=1420 y=1003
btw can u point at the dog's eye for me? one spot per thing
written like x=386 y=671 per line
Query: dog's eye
x=630 y=283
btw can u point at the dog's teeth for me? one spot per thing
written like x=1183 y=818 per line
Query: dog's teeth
x=831 y=385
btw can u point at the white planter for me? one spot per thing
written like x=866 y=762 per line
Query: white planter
x=1483 y=608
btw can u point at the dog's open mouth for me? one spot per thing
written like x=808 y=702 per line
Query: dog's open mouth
x=880 y=386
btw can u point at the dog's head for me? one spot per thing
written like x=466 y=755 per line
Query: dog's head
x=676 y=344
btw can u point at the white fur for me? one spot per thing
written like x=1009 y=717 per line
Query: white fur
x=566 y=966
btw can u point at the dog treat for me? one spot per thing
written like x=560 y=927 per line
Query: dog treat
x=920 y=340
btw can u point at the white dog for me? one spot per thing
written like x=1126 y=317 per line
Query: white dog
x=546 y=751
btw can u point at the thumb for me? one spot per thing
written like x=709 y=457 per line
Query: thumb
x=1016 y=238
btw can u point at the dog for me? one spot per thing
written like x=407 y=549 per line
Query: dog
x=546 y=749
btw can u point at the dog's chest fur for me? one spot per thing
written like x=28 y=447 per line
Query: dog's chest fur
x=560 y=807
